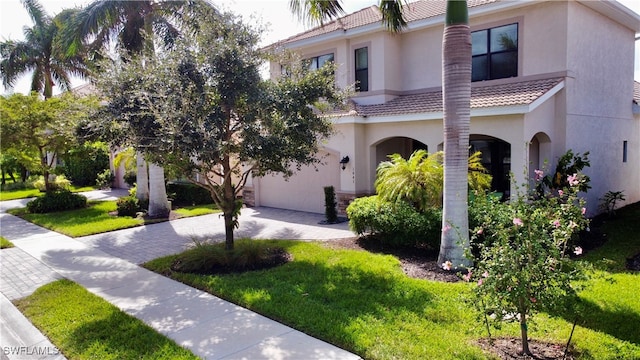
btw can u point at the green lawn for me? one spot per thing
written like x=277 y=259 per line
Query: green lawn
x=83 y=326
x=364 y=303
x=5 y=243
x=28 y=193
x=96 y=219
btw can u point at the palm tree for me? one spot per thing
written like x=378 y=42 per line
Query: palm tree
x=134 y=25
x=318 y=11
x=456 y=93
x=42 y=52
x=419 y=179
x=456 y=62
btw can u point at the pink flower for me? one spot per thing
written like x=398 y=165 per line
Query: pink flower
x=447 y=265
x=480 y=231
x=480 y=281
x=446 y=228
x=560 y=192
x=467 y=277
x=533 y=300
x=556 y=223
x=517 y=222
x=485 y=274
x=584 y=211
x=539 y=174
x=578 y=250
x=573 y=180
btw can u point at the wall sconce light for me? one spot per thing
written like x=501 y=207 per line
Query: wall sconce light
x=344 y=162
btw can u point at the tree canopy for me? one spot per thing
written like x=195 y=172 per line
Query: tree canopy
x=40 y=130
x=43 y=52
x=204 y=111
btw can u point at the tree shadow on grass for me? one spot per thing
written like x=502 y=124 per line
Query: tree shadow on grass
x=621 y=323
x=342 y=300
x=121 y=336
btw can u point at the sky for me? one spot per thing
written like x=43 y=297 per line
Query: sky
x=274 y=13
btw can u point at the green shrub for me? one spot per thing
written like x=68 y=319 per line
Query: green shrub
x=247 y=254
x=130 y=177
x=57 y=182
x=396 y=224
x=182 y=193
x=60 y=200
x=128 y=206
x=83 y=163
x=104 y=180
x=330 y=211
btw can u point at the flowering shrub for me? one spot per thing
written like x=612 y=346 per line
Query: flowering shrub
x=522 y=262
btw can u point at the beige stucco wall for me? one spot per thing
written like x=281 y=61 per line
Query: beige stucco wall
x=592 y=112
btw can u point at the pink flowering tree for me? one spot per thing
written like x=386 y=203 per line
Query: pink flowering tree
x=523 y=263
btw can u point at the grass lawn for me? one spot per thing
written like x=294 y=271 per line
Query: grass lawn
x=83 y=326
x=5 y=243
x=28 y=193
x=95 y=218
x=364 y=303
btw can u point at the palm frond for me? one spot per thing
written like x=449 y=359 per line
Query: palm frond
x=316 y=12
x=392 y=17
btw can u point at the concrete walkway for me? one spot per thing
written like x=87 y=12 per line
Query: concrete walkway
x=106 y=265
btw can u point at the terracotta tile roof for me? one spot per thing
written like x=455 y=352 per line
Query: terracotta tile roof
x=636 y=92
x=512 y=94
x=418 y=10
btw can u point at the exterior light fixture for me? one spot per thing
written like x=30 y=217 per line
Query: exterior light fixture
x=344 y=162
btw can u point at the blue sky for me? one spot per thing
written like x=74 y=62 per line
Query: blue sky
x=282 y=24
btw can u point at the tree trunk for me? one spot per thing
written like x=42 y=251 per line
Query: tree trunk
x=158 y=203
x=456 y=92
x=228 y=230
x=142 y=178
x=230 y=204
x=523 y=328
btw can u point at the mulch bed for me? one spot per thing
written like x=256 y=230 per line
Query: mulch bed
x=509 y=348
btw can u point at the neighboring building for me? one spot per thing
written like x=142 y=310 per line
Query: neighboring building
x=548 y=76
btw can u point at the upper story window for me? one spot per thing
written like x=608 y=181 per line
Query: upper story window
x=362 y=69
x=495 y=53
x=316 y=62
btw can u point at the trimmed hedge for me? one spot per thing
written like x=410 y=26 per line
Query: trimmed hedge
x=395 y=224
x=60 y=200
x=182 y=193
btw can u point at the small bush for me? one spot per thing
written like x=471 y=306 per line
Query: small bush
x=182 y=193
x=397 y=224
x=330 y=211
x=128 y=206
x=60 y=200
x=208 y=258
x=104 y=180
x=57 y=182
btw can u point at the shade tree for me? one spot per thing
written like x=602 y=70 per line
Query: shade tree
x=204 y=111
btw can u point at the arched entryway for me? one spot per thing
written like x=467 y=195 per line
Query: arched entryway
x=496 y=158
x=397 y=145
x=539 y=153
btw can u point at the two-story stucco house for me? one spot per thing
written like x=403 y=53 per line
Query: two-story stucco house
x=548 y=76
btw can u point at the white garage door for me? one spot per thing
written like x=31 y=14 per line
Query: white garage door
x=304 y=191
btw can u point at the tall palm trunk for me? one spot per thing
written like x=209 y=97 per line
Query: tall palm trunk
x=142 y=178
x=456 y=92
x=158 y=203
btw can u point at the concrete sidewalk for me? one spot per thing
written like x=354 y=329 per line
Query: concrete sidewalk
x=106 y=266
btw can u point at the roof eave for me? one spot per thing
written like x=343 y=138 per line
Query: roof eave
x=615 y=11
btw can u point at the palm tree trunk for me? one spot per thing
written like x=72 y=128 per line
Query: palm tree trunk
x=456 y=92
x=142 y=178
x=158 y=203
